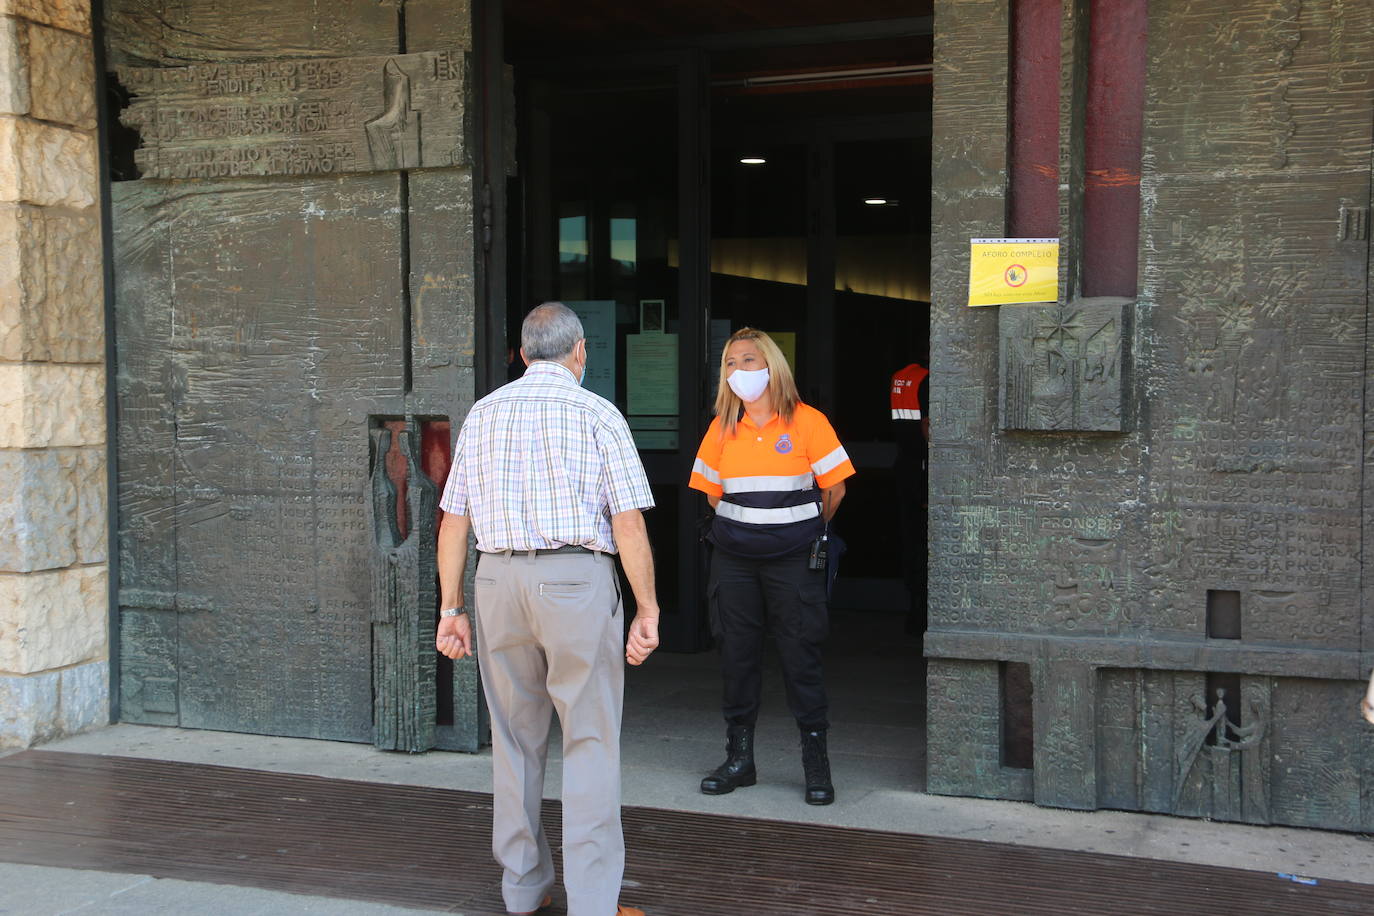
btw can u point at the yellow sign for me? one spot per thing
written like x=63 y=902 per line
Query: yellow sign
x=1010 y=271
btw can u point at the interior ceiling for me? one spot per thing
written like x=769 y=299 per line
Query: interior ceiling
x=542 y=23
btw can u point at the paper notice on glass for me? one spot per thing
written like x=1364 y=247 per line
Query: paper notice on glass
x=652 y=316
x=651 y=373
x=598 y=324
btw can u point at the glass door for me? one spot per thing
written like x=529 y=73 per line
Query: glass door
x=759 y=248
x=613 y=227
x=820 y=236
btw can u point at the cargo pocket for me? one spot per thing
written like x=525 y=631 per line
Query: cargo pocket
x=713 y=610
x=813 y=608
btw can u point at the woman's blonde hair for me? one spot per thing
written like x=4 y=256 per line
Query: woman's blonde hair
x=782 y=389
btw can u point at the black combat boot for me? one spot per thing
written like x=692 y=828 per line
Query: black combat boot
x=738 y=768
x=816 y=766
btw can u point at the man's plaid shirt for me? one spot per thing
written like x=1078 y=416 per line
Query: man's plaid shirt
x=543 y=462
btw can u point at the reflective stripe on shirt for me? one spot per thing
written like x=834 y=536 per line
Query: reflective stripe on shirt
x=705 y=470
x=903 y=414
x=765 y=484
x=783 y=516
x=830 y=462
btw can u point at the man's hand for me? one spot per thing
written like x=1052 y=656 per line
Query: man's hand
x=643 y=639
x=633 y=540
x=454 y=638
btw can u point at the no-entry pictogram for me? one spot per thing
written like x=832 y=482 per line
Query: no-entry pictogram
x=1013 y=271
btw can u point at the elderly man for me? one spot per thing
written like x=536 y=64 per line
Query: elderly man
x=547 y=476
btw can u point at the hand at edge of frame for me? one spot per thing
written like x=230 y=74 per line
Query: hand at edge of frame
x=643 y=639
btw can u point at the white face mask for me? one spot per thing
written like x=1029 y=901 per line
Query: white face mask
x=748 y=384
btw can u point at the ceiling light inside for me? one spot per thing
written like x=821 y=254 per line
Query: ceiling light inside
x=876 y=201
x=753 y=160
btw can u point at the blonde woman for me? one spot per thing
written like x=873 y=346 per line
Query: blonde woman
x=774 y=471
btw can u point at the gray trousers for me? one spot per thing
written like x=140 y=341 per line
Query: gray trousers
x=550 y=637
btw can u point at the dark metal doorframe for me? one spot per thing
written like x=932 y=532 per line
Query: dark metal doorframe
x=694 y=229
x=103 y=120
x=489 y=194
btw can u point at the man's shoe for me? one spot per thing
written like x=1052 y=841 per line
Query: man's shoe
x=816 y=766
x=738 y=769
x=543 y=904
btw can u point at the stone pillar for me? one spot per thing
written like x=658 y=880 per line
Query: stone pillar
x=54 y=638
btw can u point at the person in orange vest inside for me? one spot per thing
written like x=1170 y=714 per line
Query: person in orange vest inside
x=773 y=470
x=910 y=396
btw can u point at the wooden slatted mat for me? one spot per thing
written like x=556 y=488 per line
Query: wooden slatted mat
x=430 y=849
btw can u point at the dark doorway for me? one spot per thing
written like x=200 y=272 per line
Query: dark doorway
x=642 y=200
x=630 y=196
x=678 y=188
x=821 y=234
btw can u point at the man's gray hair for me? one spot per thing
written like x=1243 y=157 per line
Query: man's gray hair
x=550 y=331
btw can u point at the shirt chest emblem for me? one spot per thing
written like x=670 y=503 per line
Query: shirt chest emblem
x=783 y=445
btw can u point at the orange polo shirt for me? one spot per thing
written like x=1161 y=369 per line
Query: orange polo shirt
x=769 y=481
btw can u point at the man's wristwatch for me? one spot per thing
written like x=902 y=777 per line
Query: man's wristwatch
x=452 y=611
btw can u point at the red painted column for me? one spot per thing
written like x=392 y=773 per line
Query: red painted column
x=1114 y=121
x=1033 y=160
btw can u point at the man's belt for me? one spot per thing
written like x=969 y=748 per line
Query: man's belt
x=543 y=551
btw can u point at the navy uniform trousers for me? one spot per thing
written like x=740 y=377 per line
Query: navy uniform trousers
x=752 y=597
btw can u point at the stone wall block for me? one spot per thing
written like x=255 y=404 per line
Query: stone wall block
x=71 y=313
x=16 y=232
x=92 y=544
x=29 y=708
x=38 y=512
x=84 y=698
x=45 y=405
x=46 y=165
x=52 y=289
x=61 y=77
x=53 y=619
x=14 y=73
x=72 y=15
x=44 y=706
